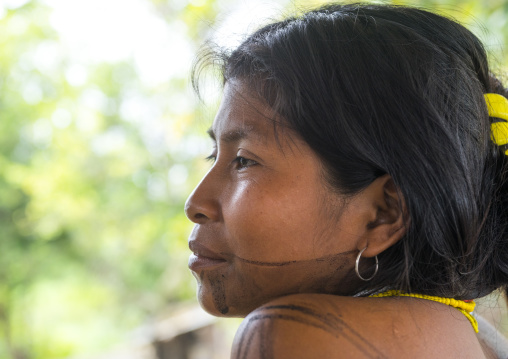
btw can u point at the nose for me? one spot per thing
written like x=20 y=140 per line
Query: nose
x=202 y=205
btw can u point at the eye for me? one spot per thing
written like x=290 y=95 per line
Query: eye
x=212 y=158
x=243 y=162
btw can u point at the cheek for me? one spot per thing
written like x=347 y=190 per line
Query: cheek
x=273 y=222
x=242 y=287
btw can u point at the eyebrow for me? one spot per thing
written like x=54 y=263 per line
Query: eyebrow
x=232 y=136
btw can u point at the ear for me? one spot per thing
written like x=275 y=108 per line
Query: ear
x=389 y=218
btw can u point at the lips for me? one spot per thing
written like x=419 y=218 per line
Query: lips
x=203 y=258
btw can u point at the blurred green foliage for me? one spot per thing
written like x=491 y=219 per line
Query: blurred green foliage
x=95 y=168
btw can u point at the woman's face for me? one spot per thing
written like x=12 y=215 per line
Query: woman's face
x=266 y=223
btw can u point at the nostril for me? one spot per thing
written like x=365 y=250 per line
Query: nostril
x=200 y=216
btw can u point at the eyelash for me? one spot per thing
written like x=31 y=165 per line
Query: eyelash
x=238 y=160
x=241 y=159
x=210 y=158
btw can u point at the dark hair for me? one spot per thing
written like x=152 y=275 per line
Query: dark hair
x=377 y=89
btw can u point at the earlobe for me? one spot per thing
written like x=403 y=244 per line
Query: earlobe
x=390 y=215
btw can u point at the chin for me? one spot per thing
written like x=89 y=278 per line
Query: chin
x=213 y=302
x=216 y=304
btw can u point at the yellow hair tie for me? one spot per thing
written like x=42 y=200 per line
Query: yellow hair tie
x=464 y=307
x=498 y=108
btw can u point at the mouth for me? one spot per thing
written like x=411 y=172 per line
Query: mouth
x=203 y=258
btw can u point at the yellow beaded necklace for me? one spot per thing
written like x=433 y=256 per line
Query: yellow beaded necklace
x=465 y=308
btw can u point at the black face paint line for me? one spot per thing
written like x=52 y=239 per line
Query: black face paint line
x=332 y=324
x=243 y=285
x=332 y=274
x=331 y=257
x=218 y=292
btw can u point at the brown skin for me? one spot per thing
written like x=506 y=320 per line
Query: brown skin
x=285 y=244
x=325 y=326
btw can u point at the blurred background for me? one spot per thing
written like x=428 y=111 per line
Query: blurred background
x=101 y=141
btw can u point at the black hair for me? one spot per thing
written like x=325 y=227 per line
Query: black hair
x=382 y=89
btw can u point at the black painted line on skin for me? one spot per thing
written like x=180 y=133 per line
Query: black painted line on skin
x=332 y=321
x=368 y=353
x=332 y=325
x=361 y=338
x=265 y=347
x=247 y=345
x=290 y=318
x=219 y=295
x=267 y=264
x=328 y=320
x=240 y=333
x=244 y=345
x=270 y=342
x=281 y=264
x=365 y=351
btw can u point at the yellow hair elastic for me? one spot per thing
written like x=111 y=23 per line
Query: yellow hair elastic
x=498 y=108
x=464 y=307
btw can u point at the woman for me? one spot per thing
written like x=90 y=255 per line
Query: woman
x=357 y=200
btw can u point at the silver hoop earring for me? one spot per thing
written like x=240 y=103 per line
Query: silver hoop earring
x=357 y=264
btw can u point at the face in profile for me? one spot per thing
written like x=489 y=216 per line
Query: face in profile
x=266 y=222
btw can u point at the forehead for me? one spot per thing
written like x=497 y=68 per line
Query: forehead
x=241 y=114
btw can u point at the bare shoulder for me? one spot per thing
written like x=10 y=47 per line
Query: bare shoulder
x=301 y=326
x=327 y=326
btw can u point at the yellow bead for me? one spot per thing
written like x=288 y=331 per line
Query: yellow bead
x=464 y=307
